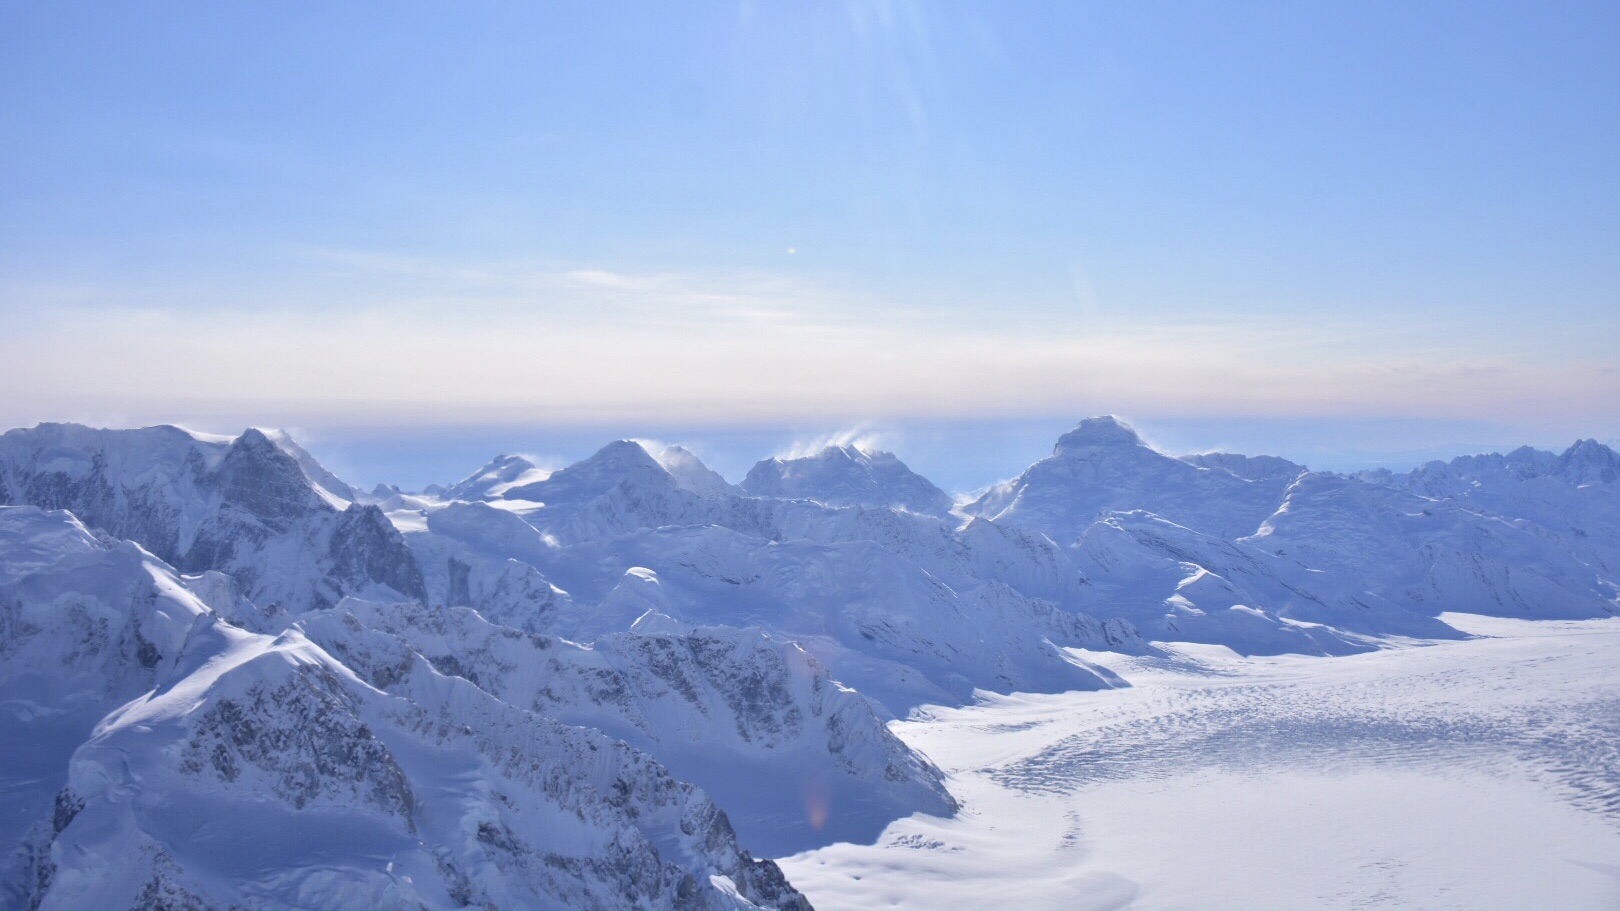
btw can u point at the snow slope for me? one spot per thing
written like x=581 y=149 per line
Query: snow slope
x=1253 y=468
x=1175 y=584
x=85 y=624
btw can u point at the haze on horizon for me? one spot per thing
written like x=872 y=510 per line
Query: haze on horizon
x=1342 y=234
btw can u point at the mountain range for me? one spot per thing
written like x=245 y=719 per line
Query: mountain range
x=228 y=679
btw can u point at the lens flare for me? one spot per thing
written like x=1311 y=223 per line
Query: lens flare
x=817 y=806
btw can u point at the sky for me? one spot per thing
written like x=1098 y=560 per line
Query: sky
x=420 y=234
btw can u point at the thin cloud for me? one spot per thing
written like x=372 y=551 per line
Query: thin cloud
x=523 y=343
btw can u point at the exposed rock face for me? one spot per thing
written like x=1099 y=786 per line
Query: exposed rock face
x=365 y=550
x=320 y=755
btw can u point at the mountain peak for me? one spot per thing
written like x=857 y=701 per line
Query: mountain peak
x=689 y=472
x=1587 y=462
x=1106 y=430
x=330 y=485
x=622 y=451
x=253 y=439
x=1589 y=449
x=1102 y=465
x=498 y=475
x=848 y=476
x=594 y=475
x=847 y=451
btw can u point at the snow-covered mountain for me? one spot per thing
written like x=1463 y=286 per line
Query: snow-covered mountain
x=848 y=476
x=1103 y=466
x=516 y=477
x=1177 y=584
x=895 y=600
x=690 y=473
x=564 y=688
x=184 y=762
x=335 y=489
x=1587 y=462
x=242 y=506
x=881 y=624
x=493 y=480
x=619 y=489
x=85 y=624
x=618 y=462
x=1431 y=555
x=1574 y=494
x=795 y=758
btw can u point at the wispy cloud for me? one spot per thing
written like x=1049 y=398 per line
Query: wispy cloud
x=413 y=341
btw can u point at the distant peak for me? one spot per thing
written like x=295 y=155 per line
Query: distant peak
x=690 y=473
x=673 y=457
x=616 y=458
x=844 y=451
x=1588 y=448
x=621 y=451
x=1588 y=461
x=1106 y=430
x=255 y=441
x=841 y=474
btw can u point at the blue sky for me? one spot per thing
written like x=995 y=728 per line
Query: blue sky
x=1348 y=233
